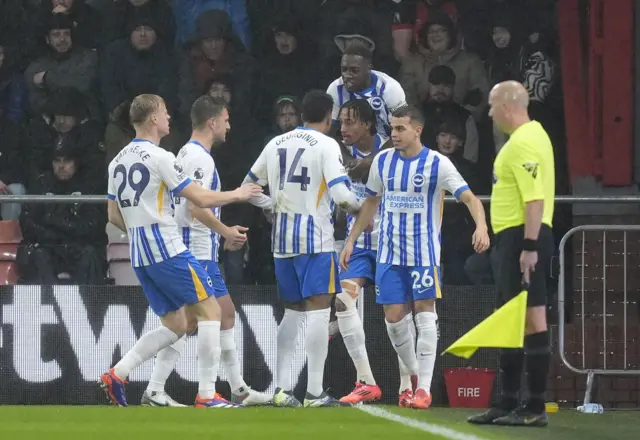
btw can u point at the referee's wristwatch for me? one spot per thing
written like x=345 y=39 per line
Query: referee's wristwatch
x=529 y=245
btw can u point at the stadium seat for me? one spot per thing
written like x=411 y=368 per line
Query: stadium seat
x=123 y=274
x=8 y=273
x=115 y=235
x=10 y=232
x=8 y=252
x=120 y=264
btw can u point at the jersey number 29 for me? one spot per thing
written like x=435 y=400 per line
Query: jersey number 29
x=302 y=178
x=136 y=181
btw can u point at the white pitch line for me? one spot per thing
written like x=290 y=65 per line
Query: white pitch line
x=441 y=431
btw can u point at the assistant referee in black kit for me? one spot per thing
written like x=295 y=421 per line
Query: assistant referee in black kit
x=522 y=202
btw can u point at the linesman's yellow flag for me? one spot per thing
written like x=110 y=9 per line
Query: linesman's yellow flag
x=504 y=328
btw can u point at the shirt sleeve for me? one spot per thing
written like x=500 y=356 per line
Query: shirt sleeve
x=332 y=91
x=374 y=181
x=524 y=162
x=172 y=173
x=451 y=179
x=111 y=186
x=394 y=96
x=332 y=166
x=258 y=172
x=404 y=14
x=201 y=172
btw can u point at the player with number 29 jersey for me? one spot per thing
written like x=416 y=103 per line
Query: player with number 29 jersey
x=142 y=179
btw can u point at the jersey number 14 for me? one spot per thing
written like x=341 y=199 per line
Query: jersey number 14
x=302 y=178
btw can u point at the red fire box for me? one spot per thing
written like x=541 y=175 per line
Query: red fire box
x=469 y=387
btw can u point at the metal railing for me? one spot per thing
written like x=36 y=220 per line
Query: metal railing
x=486 y=199
x=604 y=370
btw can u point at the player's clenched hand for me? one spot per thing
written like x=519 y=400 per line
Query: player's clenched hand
x=248 y=191
x=480 y=240
x=345 y=255
x=235 y=238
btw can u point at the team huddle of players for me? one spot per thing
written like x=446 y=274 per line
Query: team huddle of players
x=392 y=195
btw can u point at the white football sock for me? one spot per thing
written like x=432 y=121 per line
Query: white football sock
x=208 y=357
x=317 y=348
x=402 y=342
x=147 y=347
x=405 y=374
x=286 y=341
x=165 y=362
x=230 y=361
x=353 y=336
x=427 y=346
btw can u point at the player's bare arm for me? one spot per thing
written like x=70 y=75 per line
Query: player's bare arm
x=533 y=213
x=262 y=201
x=204 y=198
x=115 y=216
x=480 y=238
x=365 y=217
x=235 y=236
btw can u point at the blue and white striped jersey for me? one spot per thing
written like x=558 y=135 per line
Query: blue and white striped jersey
x=142 y=179
x=199 y=166
x=300 y=167
x=367 y=240
x=412 y=192
x=384 y=95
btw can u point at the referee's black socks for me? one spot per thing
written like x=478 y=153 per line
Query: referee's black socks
x=538 y=354
x=511 y=362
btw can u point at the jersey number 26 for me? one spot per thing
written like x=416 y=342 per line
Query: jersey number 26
x=136 y=181
x=302 y=178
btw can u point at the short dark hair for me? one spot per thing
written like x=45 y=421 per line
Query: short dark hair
x=206 y=108
x=358 y=49
x=361 y=110
x=316 y=106
x=413 y=113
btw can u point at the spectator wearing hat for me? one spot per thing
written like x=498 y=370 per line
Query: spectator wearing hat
x=86 y=21
x=187 y=13
x=65 y=65
x=118 y=13
x=286 y=115
x=63 y=243
x=143 y=62
x=216 y=52
x=439 y=105
x=438 y=45
x=64 y=122
x=140 y=63
x=290 y=67
x=457 y=224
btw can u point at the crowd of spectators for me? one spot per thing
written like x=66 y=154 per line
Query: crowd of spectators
x=69 y=68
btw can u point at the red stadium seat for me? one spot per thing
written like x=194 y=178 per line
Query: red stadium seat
x=116 y=235
x=10 y=232
x=8 y=273
x=123 y=274
x=8 y=252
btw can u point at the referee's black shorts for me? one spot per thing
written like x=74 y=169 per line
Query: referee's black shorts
x=509 y=277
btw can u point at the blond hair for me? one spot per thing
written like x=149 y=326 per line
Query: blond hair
x=142 y=107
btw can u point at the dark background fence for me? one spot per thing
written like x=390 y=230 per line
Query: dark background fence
x=57 y=340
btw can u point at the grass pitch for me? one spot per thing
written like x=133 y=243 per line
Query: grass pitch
x=137 y=423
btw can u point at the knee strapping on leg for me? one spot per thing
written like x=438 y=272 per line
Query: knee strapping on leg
x=349 y=295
